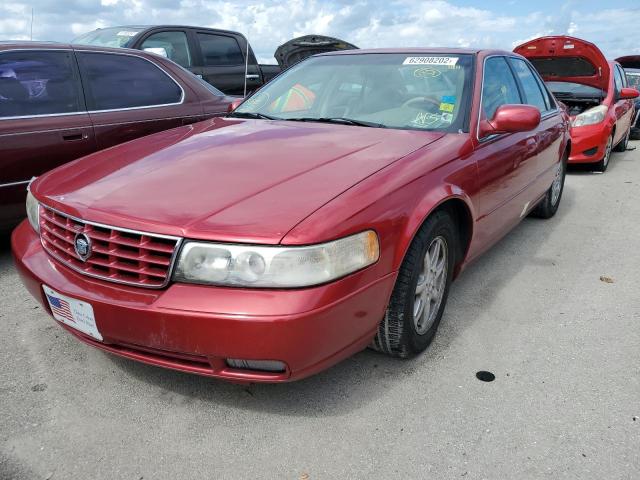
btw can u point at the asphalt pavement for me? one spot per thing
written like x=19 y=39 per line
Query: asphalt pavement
x=553 y=311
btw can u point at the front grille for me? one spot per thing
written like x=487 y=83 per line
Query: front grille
x=117 y=255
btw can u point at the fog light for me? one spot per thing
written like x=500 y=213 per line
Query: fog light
x=262 y=365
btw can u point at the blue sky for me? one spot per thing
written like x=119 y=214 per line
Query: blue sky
x=612 y=25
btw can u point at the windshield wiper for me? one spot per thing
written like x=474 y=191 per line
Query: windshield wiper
x=341 y=120
x=261 y=116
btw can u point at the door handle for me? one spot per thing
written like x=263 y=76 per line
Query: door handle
x=74 y=137
x=253 y=76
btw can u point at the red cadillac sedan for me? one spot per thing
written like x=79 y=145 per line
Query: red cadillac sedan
x=328 y=213
x=594 y=90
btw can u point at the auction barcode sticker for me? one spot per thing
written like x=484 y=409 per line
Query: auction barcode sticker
x=448 y=61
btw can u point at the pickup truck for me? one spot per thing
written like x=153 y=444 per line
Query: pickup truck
x=217 y=56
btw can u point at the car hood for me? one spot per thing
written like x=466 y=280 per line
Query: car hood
x=298 y=49
x=224 y=179
x=567 y=59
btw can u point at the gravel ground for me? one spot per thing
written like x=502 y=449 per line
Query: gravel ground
x=563 y=344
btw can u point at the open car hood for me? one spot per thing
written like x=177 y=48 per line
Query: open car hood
x=630 y=61
x=298 y=49
x=567 y=59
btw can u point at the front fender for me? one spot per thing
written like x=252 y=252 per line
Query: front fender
x=434 y=199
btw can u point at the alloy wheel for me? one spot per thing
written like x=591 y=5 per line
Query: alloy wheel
x=556 y=187
x=431 y=285
x=607 y=152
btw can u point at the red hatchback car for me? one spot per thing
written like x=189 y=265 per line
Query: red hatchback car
x=595 y=91
x=270 y=244
x=61 y=102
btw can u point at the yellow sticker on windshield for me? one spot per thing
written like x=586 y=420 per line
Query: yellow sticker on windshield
x=447 y=107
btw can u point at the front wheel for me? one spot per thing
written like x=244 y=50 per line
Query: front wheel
x=421 y=290
x=549 y=204
x=602 y=165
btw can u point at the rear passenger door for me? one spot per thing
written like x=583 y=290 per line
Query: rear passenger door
x=43 y=121
x=550 y=132
x=222 y=63
x=129 y=96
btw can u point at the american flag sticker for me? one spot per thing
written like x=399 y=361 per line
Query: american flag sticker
x=72 y=312
x=60 y=307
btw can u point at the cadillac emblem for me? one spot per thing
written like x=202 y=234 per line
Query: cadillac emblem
x=82 y=244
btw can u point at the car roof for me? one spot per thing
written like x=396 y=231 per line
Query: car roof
x=428 y=50
x=28 y=45
x=150 y=27
x=31 y=44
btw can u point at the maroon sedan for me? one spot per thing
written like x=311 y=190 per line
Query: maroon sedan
x=329 y=212
x=61 y=102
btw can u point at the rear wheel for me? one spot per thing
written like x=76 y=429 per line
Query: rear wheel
x=602 y=165
x=420 y=294
x=624 y=143
x=548 y=206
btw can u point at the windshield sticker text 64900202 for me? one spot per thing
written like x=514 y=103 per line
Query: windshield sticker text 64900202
x=445 y=61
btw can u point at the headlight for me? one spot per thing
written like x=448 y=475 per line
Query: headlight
x=33 y=211
x=277 y=266
x=590 y=117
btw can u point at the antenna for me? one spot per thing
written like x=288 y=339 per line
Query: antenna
x=31 y=36
x=246 y=68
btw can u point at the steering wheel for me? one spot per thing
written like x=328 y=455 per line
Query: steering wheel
x=428 y=100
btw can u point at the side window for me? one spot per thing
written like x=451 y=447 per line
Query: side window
x=531 y=89
x=219 y=50
x=551 y=103
x=617 y=79
x=499 y=87
x=623 y=76
x=114 y=81
x=38 y=83
x=172 y=45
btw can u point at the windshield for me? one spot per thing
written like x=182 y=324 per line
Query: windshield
x=404 y=91
x=633 y=77
x=109 y=37
x=574 y=89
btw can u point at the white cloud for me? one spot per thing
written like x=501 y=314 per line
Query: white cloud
x=372 y=23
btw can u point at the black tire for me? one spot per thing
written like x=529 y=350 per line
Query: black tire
x=549 y=204
x=398 y=334
x=624 y=143
x=602 y=165
x=635 y=133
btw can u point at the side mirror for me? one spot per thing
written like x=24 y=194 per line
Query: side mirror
x=628 y=93
x=510 y=119
x=234 y=104
x=158 y=51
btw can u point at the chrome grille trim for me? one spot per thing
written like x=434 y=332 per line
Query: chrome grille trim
x=172 y=260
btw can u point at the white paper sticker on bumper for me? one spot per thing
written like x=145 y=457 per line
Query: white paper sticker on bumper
x=74 y=313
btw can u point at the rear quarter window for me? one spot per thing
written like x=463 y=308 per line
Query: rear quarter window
x=116 y=81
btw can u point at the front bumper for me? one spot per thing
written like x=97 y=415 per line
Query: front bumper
x=195 y=328
x=588 y=143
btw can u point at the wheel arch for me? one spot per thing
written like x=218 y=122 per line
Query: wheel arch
x=449 y=198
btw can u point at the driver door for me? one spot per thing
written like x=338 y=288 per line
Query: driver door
x=504 y=159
